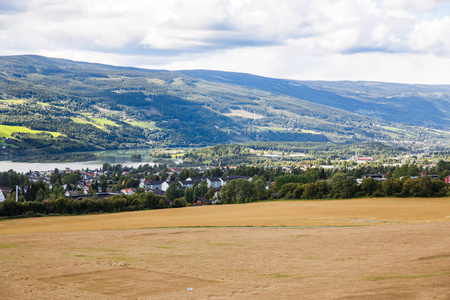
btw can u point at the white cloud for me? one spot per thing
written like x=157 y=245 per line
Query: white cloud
x=432 y=36
x=370 y=66
x=293 y=38
x=410 y=5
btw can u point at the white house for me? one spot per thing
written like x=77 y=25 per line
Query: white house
x=153 y=185
x=214 y=182
x=165 y=185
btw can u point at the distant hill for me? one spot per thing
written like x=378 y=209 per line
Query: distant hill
x=84 y=106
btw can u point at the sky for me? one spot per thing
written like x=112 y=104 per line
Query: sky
x=405 y=41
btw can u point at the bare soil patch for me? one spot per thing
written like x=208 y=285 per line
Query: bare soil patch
x=127 y=282
x=244 y=114
x=409 y=259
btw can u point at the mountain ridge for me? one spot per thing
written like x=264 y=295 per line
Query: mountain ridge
x=141 y=107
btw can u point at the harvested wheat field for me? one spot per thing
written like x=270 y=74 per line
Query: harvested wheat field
x=352 y=249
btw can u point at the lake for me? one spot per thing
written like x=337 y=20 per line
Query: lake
x=112 y=157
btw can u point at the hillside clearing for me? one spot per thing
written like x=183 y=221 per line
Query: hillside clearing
x=244 y=114
x=97 y=122
x=148 y=125
x=13 y=101
x=103 y=122
x=7 y=130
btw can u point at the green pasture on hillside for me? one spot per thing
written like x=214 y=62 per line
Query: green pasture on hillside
x=3 y=143
x=15 y=101
x=7 y=130
x=148 y=125
x=105 y=122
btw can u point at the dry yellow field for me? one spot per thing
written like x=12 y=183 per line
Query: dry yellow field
x=311 y=250
x=273 y=214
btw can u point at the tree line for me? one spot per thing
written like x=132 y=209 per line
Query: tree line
x=67 y=206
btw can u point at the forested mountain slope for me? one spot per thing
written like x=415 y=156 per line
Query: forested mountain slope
x=83 y=106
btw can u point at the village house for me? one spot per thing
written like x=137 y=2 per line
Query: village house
x=214 y=182
x=6 y=190
x=153 y=185
x=193 y=179
x=2 y=196
x=129 y=191
x=447 y=179
x=199 y=201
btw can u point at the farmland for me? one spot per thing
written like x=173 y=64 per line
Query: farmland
x=7 y=130
x=341 y=249
x=13 y=101
x=148 y=125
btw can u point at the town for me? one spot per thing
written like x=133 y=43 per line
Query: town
x=195 y=186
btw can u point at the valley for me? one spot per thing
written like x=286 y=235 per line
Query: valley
x=89 y=107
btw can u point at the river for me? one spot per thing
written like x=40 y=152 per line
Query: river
x=112 y=157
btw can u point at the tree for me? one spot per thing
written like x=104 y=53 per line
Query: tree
x=397 y=172
x=189 y=195
x=335 y=183
x=184 y=174
x=210 y=194
x=322 y=174
x=55 y=178
x=196 y=192
x=151 y=201
x=410 y=188
x=414 y=170
x=34 y=188
x=237 y=191
x=57 y=192
x=203 y=188
x=260 y=189
x=369 y=186
x=404 y=170
x=323 y=189
x=40 y=196
x=174 y=191
x=216 y=172
x=71 y=178
x=391 y=187
x=179 y=202
x=309 y=191
x=347 y=188
x=162 y=203
x=297 y=193
x=426 y=187
x=441 y=166
x=103 y=182
x=288 y=188
x=93 y=188
x=444 y=174
x=130 y=182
